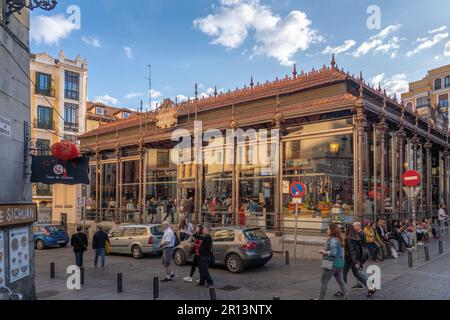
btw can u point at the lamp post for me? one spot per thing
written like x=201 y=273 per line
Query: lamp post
x=17 y=5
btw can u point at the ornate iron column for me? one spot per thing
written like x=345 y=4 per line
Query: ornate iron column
x=234 y=180
x=141 y=150
x=401 y=146
x=445 y=154
x=382 y=138
x=360 y=123
x=278 y=121
x=428 y=145
x=97 y=184
x=118 y=184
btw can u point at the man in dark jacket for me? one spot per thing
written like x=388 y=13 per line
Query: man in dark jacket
x=99 y=245
x=79 y=242
x=205 y=251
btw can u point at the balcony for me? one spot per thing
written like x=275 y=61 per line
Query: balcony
x=42 y=191
x=71 y=127
x=44 y=124
x=48 y=93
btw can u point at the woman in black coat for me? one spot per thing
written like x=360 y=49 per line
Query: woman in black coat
x=354 y=258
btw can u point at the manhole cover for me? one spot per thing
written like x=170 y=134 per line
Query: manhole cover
x=121 y=265
x=229 y=288
x=47 y=294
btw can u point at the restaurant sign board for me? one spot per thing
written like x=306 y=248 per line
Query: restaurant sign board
x=16 y=214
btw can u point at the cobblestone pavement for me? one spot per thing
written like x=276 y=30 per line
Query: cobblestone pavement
x=426 y=280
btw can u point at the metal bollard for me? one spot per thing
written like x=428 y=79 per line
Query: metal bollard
x=82 y=275
x=119 y=283
x=155 y=288
x=427 y=253
x=287 y=257
x=212 y=293
x=52 y=270
x=410 y=260
x=441 y=247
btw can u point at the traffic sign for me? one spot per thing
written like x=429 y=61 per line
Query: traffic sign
x=297 y=189
x=411 y=178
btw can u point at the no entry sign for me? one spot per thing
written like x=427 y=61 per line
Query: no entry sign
x=297 y=189
x=411 y=178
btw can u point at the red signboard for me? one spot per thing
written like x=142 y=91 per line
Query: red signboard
x=297 y=189
x=411 y=178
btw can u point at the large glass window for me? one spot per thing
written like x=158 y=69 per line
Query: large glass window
x=438 y=84
x=447 y=82
x=109 y=186
x=443 y=100
x=422 y=102
x=45 y=118
x=130 y=188
x=43 y=83
x=71 y=113
x=72 y=85
x=325 y=165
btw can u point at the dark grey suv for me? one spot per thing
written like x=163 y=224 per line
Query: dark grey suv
x=235 y=247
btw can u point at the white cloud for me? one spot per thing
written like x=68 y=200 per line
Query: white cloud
x=438 y=30
x=134 y=95
x=347 y=45
x=397 y=84
x=129 y=52
x=92 y=41
x=377 y=42
x=274 y=37
x=155 y=94
x=182 y=98
x=50 y=30
x=106 y=99
x=428 y=43
x=447 y=49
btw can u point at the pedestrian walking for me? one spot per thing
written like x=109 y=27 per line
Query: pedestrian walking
x=333 y=261
x=354 y=259
x=79 y=242
x=99 y=245
x=168 y=243
x=442 y=217
x=206 y=257
x=196 y=253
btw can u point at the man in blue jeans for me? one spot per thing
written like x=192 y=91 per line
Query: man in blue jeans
x=79 y=243
x=99 y=245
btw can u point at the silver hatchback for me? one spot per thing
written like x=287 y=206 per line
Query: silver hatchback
x=234 y=247
x=136 y=239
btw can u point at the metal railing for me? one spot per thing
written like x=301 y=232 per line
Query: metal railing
x=44 y=124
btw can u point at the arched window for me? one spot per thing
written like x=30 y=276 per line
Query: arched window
x=409 y=106
x=438 y=84
x=447 y=82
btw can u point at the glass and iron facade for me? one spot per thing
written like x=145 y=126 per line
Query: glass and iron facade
x=349 y=143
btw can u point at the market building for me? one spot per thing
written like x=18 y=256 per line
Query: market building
x=348 y=142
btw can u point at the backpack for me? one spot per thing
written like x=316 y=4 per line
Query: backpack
x=177 y=240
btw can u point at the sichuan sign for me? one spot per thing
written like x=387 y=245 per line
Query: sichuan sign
x=50 y=170
x=15 y=214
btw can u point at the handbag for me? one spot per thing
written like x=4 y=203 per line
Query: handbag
x=107 y=248
x=327 y=264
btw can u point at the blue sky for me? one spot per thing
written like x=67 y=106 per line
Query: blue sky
x=224 y=42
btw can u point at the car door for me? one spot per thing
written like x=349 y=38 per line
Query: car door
x=222 y=242
x=128 y=239
x=115 y=240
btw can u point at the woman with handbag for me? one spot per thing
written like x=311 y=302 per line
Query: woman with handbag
x=333 y=261
x=195 y=251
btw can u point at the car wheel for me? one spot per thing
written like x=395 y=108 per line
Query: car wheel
x=234 y=263
x=40 y=245
x=136 y=252
x=180 y=258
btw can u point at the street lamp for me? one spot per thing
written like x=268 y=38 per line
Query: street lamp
x=17 y=5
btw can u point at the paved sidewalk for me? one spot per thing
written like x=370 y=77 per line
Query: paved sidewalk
x=426 y=280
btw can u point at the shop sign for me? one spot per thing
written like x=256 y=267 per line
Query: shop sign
x=50 y=170
x=19 y=251
x=2 y=258
x=5 y=127
x=15 y=214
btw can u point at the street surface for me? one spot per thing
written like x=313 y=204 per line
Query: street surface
x=426 y=280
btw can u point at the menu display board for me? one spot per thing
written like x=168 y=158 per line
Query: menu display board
x=19 y=260
x=2 y=259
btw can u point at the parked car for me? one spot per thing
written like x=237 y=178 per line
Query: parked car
x=46 y=236
x=136 y=239
x=234 y=247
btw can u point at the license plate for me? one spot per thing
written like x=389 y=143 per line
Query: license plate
x=61 y=242
x=266 y=255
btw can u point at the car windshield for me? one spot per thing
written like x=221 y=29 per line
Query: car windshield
x=54 y=229
x=255 y=234
x=158 y=231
